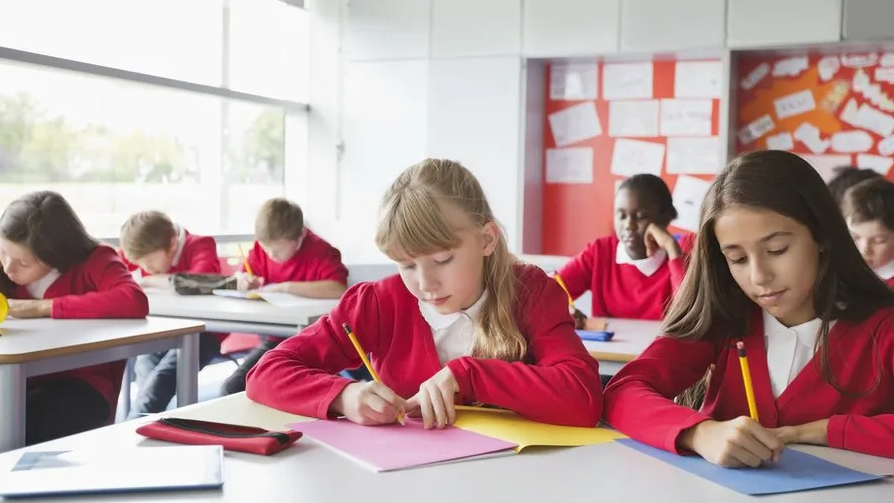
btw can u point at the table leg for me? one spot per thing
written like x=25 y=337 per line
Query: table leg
x=188 y=370
x=12 y=406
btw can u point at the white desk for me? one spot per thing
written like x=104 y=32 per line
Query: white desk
x=223 y=314
x=44 y=346
x=631 y=338
x=310 y=472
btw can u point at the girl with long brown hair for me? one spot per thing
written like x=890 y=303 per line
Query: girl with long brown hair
x=462 y=322
x=775 y=268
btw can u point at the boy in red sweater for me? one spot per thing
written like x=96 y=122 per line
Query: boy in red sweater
x=463 y=322
x=775 y=269
x=868 y=208
x=155 y=247
x=287 y=257
x=53 y=268
x=633 y=273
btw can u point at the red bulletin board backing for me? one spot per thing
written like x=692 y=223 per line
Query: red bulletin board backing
x=845 y=88
x=575 y=214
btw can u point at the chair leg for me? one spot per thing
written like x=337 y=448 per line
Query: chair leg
x=124 y=396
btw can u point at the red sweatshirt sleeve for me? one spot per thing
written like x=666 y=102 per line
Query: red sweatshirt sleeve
x=560 y=386
x=639 y=399
x=578 y=272
x=256 y=260
x=679 y=265
x=300 y=375
x=868 y=434
x=330 y=267
x=115 y=294
x=203 y=256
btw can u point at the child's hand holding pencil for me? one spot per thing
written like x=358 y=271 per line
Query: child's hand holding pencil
x=368 y=403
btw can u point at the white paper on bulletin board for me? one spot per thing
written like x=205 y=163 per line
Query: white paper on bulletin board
x=569 y=165
x=686 y=117
x=575 y=123
x=693 y=155
x=825 y=164
x=698 y=79
x=631 y=157
x=633 y=118
x=689 y=192
x=624 y=81
x=574 y=81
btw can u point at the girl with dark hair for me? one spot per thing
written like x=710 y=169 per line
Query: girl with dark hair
x=774 y=268
x=633 y=273
x=53 y=268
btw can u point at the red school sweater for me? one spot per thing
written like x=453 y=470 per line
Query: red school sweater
x=558 y=381
x=638 y=400
x=316 y=260
x=621 y=290
x=99 y=287
x=199 y=255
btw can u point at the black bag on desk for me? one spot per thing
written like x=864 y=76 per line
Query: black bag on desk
x=201 y=284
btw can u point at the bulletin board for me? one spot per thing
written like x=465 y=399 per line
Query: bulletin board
x=832 y=109
x=607 y=121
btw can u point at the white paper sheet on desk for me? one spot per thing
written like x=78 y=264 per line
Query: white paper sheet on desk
x=633 y=118
x=569 y=165
x=621 y=81
x=686 y=117
x=689 y=192
x=825 y=164
x=693 y=155
x=575 y=123
x=794 y=104
x=698 y=79
x=574 y=81
x=878 y=163
x=631 y=157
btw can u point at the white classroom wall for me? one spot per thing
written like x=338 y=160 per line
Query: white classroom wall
x=394 y=81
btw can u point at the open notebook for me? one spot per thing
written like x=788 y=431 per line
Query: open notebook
x=478 y=433
x=132 y=469
x=278 y=299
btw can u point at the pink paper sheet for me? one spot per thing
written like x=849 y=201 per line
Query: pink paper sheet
x=394 y=447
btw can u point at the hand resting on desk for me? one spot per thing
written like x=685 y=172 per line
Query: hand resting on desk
x=19 y=308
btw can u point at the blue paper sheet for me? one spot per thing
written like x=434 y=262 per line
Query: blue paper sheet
x=795 y=471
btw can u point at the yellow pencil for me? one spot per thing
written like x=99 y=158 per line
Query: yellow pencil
x=746 y=378
x=244 y=260
x=366 y=362
x=562 y=284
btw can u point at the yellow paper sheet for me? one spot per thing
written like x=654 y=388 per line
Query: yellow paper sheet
x=508 y=426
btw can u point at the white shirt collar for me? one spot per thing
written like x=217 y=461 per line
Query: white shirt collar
x=648 y=266
x=181 y=241
x=886 y=271
x=39 y=288
x=805 y=332
x=438 y=321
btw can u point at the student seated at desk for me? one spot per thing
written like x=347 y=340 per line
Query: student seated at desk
x=287 y=257
x=868 y=209
x=53 y=268
x=845 y=178
x=154 y=247
x=775 y=269
x=463 y=321
x=632 y=273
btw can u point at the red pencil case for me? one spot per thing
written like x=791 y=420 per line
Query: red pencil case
x=232 y=437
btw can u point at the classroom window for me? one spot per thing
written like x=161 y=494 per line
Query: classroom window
x=114 y=145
